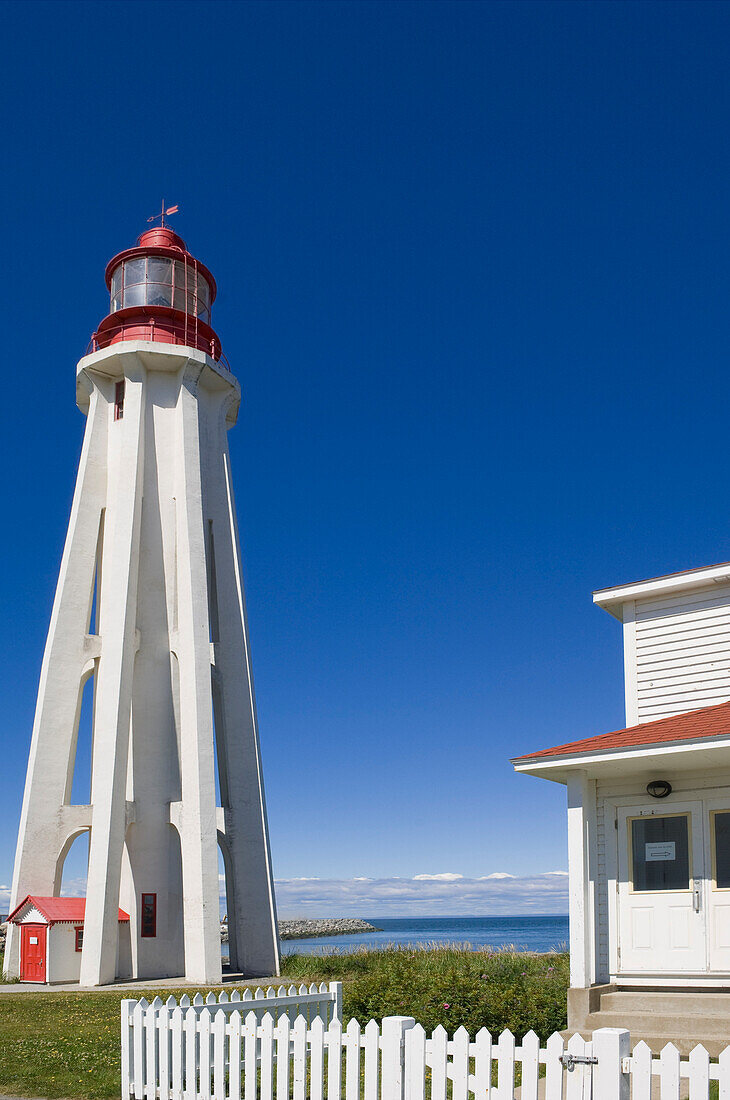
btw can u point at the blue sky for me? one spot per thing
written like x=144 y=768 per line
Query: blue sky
x=473 y=275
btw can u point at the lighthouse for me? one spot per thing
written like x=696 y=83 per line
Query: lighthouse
x=150 y=607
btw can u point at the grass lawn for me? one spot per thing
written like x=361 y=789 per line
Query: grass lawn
x=67 y=1044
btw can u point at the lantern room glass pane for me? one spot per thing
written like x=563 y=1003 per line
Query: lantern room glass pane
x=203 y=294
x=116 y=281
x=117 y=302
x=180 y=274
x=134 y=295
x=180 y=300
x=159 y=294
x=159 y=270
x=722 y=849
x=134 y=272
x=660 y=853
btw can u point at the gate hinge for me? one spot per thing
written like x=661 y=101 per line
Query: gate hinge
x=570 y=1061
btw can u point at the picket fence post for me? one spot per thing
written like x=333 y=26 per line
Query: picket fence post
x=336 y=988
x=610 y=1046
x=127 y=1006
x=393 y=1055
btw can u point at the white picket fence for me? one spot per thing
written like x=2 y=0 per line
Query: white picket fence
x=221 y=1051
x=310 y=1001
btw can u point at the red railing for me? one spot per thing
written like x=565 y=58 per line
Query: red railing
x=139 y=331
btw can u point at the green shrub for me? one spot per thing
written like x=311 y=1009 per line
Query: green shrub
x=453 y=986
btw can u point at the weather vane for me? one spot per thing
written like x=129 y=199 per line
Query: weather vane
x=163 y=213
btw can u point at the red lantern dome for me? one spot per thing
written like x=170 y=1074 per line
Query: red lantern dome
x=159 y=292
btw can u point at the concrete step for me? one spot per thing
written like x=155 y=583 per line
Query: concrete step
x=672 y=1025
x=656 y=1043
x=690 y=1003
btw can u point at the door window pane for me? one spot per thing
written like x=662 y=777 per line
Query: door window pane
x=722 y=850
x=660 y=851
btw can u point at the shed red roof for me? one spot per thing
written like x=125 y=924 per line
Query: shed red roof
x=695 y=725
x=59 y=909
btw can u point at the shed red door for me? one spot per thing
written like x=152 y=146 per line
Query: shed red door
x=33 y=952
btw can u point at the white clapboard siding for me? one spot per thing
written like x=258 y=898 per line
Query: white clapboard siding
x=678 y=653
x=232 y=1055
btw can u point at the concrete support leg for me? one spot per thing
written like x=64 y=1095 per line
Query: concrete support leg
x=68 y=652
x=253 y=933
x=114 y=689
x=197 y=825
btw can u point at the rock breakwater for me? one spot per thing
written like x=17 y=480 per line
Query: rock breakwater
x=341 y=926
x=304 y=929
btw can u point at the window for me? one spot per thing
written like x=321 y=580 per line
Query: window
x=660 y=853
x=721 y=839
x=119 y=400
x=148 y=923
x=79 y=933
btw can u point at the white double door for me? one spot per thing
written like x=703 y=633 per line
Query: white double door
x=674 y=887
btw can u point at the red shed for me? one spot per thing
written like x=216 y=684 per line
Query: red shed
x=51 y=937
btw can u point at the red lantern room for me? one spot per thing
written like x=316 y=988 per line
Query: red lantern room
x=159 y=292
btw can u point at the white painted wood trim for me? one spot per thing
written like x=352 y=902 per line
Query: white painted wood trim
x=579 y=900
x=611 y=839
x=660 y=585
x=630 y=675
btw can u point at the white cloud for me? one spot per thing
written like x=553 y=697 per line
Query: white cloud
x=424 y=895
x=447 y=876
x=74 y=888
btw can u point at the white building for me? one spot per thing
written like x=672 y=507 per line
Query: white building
x=649 y=822
x=149 y=615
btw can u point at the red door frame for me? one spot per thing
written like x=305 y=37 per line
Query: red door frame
x=33 y=957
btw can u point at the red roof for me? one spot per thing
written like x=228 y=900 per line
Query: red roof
x=59 y=909
x=696 y=725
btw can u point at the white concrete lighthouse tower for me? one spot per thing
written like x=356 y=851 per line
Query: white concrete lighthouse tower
x=150 y=604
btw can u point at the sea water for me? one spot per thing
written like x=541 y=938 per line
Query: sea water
x=525 y=933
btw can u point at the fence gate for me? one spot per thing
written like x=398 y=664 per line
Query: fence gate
x=439 y=1068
